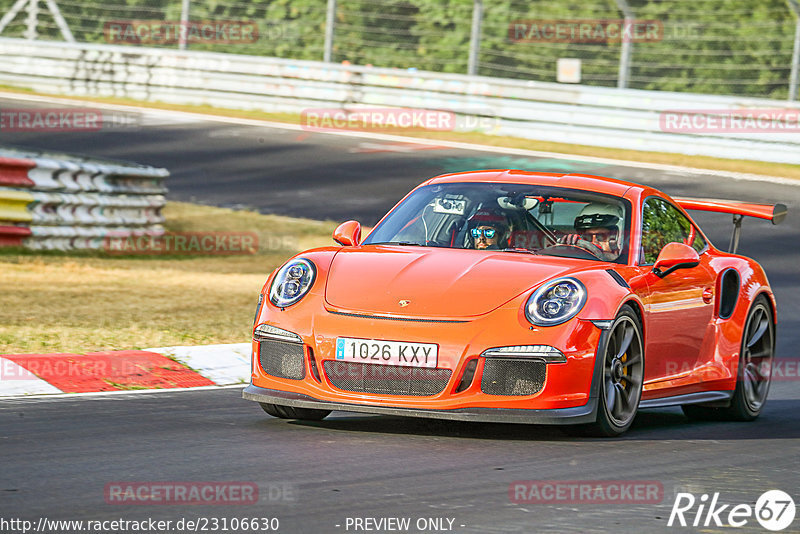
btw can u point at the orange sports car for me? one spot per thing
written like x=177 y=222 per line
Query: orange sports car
x=525 y=297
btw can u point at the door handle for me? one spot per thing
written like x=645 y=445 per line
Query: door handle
x=708 y=295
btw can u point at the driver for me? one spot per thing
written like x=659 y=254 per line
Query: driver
x=598 y=229
x=488 y=230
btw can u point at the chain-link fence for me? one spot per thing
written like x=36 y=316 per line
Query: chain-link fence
x=734 y=47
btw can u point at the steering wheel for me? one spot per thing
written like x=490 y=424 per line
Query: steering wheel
x=585 y=253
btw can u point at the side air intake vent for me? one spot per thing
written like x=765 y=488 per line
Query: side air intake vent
x=729 y=293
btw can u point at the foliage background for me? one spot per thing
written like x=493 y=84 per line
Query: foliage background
x=739 y=47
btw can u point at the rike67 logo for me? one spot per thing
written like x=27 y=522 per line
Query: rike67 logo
x=774 y=510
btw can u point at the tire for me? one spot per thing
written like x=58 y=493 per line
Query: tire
x=756 y=355
x=289 y=412
x=622 y=376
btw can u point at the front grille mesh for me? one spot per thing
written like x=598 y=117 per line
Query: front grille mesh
x=386 y=379
x=506 y=376
x=282 y=359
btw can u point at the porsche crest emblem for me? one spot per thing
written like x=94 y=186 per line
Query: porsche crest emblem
x=404 y=303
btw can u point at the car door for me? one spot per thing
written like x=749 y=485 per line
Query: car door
x=680 y=305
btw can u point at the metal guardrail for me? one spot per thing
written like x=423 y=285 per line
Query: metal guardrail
x=607 y=117
x=50 y=202
x=13 y=205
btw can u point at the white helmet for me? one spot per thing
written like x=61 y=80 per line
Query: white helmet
x=596 y=215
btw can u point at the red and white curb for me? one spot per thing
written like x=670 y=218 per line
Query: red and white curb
x=157 y=368
x=222 y=364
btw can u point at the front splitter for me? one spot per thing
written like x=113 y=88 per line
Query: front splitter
x=558 y=416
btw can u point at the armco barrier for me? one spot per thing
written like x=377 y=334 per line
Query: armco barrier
x=13 y=205
x=619 y=118
x=52 y=202
x=15 y=172
x=13 y=236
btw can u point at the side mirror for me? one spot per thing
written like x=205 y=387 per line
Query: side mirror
x=348 y=234
x=675 y=256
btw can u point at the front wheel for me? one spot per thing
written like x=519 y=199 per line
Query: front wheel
x=289 y=412
x=622 y=378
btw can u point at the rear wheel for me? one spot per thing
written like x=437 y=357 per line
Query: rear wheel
x=755 y=369
x=623 y=372
x=289 y=412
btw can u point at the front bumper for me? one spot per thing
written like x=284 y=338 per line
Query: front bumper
x=568 y=394
x=565 y=416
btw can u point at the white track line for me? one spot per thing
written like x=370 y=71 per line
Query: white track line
x=44 y=397
x=188 y=116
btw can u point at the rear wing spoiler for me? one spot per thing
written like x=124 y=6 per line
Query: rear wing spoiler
x=775 y=213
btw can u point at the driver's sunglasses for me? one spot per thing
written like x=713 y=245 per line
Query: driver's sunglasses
x=487 y=232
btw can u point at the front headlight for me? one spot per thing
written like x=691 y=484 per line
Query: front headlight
x=556 y=302
x=292 y=282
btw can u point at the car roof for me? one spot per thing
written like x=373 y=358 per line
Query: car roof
x=584 y=182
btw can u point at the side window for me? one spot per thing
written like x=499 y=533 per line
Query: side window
x=699 y=244
x=663 y=223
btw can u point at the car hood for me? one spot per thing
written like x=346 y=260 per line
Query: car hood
x=434 y=281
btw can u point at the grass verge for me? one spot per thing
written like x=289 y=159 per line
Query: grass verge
x=784 y=170
x=88 y=301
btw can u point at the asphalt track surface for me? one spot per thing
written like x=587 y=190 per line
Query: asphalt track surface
x=56 y=455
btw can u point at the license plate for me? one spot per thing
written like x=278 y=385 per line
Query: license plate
x=387 y=352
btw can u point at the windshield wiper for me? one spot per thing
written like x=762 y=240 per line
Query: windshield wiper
x=521 y=250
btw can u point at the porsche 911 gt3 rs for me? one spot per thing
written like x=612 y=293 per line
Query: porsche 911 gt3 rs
x=514 y=296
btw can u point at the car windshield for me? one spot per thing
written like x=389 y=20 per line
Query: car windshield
x=512 y=218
